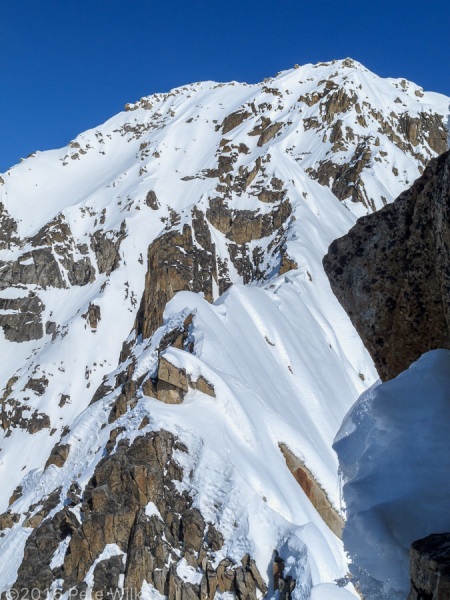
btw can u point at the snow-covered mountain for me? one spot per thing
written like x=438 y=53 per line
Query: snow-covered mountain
x=174 y=363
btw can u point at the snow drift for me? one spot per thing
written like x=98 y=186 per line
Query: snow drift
x=394 y=455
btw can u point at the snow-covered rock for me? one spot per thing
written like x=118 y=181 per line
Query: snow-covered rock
x=190 y=229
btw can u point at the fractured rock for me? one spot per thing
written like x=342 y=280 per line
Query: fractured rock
x=114 y=512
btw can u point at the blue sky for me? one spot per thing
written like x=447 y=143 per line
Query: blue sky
x=66 y=66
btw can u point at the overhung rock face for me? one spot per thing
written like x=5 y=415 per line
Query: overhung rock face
x=391 y=273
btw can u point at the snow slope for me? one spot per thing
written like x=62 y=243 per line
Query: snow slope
x=284 y=359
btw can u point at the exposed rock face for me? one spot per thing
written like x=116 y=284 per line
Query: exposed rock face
x=58 y=455
x=346 y=178
x=430 y=568
x=55 y=261
x=233 y=120
x=244 y=226
x=391 y=273
x=8 y=227
x=172 y=384
x=38 y=267
x=22 y=320
x=133 y=501
x=313 y=490
x=106 y=248
x=186 y=259
x=175 y=263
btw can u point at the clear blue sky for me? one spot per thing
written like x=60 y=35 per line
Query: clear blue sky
x=68 y=65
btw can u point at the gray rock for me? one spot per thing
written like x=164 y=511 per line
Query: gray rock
x=25 y=323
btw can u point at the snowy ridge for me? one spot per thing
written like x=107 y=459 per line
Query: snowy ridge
x=281 y=354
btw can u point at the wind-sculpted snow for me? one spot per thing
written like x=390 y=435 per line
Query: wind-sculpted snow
x=394 y=454
x=112 y=248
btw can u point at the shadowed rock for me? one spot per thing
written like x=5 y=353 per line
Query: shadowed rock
x=391 y=273
x=430 y=568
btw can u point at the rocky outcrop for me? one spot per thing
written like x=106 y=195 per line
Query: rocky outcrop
x=54 y=261
x=391 y=273
x=106 y=248
x=133 y=502
x=8 y=227
x=93 y=315
x=58 y=455
x=177 y=260
x=171 y=384
x=185 y=259
x=151 y=200
x=430 y=568
x=21 y=318
x=19 y=414
x=345 y=178
x=315 y=493
x=243 y=226
x=233 y=120
x=38 y=267
x=269 y=133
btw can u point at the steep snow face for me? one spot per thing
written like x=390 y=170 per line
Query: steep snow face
x=253 y=182
x=394 y=454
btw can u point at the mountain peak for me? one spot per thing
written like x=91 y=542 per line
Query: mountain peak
x=163 y=301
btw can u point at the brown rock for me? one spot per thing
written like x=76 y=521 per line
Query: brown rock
x=203 y=386
x=8 y=520
x=193 y=529
x=175 y=263
x=287 y=263
x=168 y=373
x=113 y=511
x=169 y=394
x=33 y=521
x=151 y=200
x=269 y=133
x=234 y=120
x=391 y=273
x=58 y=455
x=313 y=491
x=93 y=315
x=17 y=493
